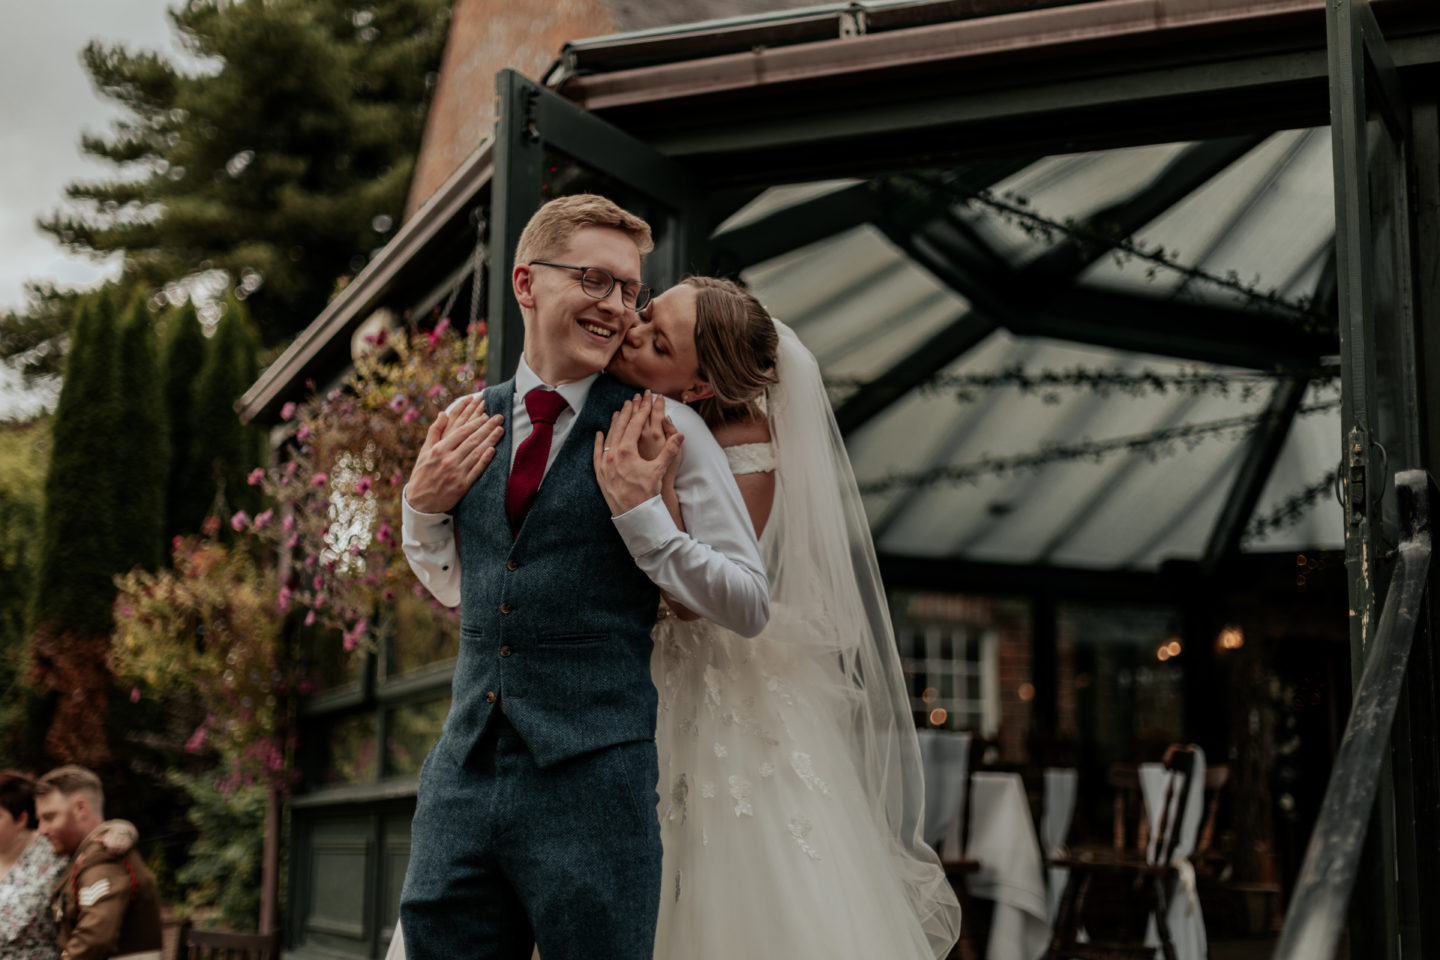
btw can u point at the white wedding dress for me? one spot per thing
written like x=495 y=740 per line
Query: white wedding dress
x=791 y=797
x=790 y=790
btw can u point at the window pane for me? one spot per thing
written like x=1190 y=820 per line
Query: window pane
x=420 y=635
x=412 y=730
x=350 y=751
x=329 y=665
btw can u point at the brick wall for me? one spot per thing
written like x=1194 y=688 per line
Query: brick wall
x=487 y=36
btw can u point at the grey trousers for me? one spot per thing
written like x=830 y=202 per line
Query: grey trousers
x=505 y=855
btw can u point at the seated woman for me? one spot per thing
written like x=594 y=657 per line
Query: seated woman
x=29 y=867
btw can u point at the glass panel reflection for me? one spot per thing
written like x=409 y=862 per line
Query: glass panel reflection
x=412 y=730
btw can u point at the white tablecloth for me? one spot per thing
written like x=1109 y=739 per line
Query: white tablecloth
x=1187 y=923
x=1002 y=839
x=1061 y=785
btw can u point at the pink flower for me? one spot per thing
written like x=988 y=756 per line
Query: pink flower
x=397 y=478
x=262 y=520
x=210 y=526
x=134 y=694
x=354 y=549
x=282 y=602
x=197 y=739
x=385 y=534
x=303 y=433
x=287 y=411
x=240 y=520
x=317 y=582
x=288 y=523
x=256 y=476
x=292 y=542
x=442 y=326
x=351 y=638
x=319 y=479
x=411 y=415
x=400 y=402
x=310 y=619
x=435 y=391
x=290 y=466
x=362 y=487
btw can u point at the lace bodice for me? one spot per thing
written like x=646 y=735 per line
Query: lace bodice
x=751 y=458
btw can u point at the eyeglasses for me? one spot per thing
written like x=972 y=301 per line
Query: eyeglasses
x=598 y=282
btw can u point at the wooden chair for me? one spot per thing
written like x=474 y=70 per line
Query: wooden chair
x=227 y=945
x=1139 y=874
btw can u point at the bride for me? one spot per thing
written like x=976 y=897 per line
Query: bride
x=790 y=781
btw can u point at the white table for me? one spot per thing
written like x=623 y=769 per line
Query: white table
x=1002 y=840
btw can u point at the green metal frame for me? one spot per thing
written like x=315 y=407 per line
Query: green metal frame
x=1380 y=418
x=533 y=119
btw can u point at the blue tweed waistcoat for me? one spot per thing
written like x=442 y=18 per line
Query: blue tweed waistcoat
x=555 y=623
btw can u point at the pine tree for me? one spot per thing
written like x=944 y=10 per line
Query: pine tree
x=183 y=356
x=74 y=586
x=283 y=168
x=223 y=450
x=141 y=470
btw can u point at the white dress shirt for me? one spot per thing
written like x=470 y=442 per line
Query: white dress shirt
x=713 y=569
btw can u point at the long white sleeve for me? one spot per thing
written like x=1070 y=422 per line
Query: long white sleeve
x=428 y=540
x=713 y=567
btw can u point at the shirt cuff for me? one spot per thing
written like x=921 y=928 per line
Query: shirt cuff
x=646 y=528
x=417 y=526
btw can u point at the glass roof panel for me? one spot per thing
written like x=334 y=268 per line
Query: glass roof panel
x=1013 y=453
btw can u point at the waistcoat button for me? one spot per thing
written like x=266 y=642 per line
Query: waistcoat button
x=512 y=565
x=490 y=697
x=505 y=607
x=504 y=651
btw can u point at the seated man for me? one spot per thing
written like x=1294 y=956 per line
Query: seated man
x=105 y=904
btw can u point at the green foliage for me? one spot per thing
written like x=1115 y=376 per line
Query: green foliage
x=182 y=356
x=339 y=491
x=223 y=451
x=223 y=869
x=141 y=468
x=24 y=455
x=282 y=161
x=33 y=342
x=73 y=586
x=209 y=628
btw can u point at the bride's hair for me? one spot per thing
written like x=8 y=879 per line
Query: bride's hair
x=735 y=346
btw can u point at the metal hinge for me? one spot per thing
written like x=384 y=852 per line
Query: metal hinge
x=853 y=21
x=529 y=130
x=1355 y=455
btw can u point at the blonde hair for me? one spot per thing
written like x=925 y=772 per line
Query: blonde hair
x=552 y=226
x=70 y=780
x=735 y=347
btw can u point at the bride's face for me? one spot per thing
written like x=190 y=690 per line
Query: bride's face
x=658 y=353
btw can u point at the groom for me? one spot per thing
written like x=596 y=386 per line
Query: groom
x=535 y=820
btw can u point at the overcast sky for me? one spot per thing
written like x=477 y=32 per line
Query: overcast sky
x=46 y=103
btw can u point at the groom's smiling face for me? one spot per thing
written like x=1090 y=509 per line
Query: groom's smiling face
x=568 y=333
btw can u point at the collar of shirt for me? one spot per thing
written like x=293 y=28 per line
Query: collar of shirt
x=574 y=392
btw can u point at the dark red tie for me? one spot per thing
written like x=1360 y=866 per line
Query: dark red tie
x=530 y=458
